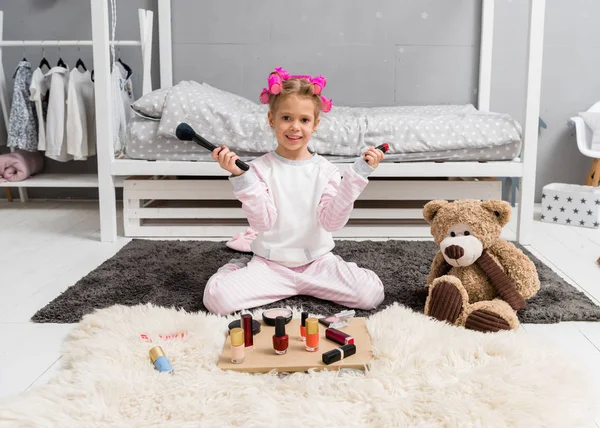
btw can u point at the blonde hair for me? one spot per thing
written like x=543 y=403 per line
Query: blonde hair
x=300 y=87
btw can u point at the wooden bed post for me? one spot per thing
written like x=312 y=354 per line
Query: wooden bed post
x=532 y=114
x=485 y=56
x=164 y=43
x=104 y=121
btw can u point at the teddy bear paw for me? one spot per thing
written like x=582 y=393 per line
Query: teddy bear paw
x=445 y=302
x=486 y=321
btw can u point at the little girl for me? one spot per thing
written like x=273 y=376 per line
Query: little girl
x=295 y=200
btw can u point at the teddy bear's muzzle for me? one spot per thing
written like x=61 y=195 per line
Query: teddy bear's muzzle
x=461 y=250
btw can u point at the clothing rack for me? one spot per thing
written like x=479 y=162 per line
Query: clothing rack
x=48 y=180
x=44 y=43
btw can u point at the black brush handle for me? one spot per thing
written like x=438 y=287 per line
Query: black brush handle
x=210 y=146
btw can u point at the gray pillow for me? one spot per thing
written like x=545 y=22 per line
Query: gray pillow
x=150 y=106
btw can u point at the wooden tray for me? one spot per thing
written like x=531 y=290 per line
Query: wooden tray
x=262 y=358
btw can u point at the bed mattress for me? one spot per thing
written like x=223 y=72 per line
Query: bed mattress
x=145 y=142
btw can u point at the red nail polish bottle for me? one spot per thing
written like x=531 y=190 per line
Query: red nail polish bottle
x=280 y=339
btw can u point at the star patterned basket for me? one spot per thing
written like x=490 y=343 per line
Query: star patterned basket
x=571 y=204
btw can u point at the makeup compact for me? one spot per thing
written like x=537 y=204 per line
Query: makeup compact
x=270 y=315
x=339 y=320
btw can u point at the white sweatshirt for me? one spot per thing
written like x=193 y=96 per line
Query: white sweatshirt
x=296 y=205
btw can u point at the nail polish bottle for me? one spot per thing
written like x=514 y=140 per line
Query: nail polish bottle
x=312 y=334
x=236 y=335
x=280 y=339
x=248 y=335
x=160 y=360
x=303 y=326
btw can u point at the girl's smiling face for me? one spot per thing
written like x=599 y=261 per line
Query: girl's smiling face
x=294 y=122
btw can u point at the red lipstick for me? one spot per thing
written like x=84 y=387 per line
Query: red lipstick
x=280 y=339
x=384 y=147
x=247 y=326
x=338 y=336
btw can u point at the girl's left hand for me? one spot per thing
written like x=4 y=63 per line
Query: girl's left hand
x=373 y=156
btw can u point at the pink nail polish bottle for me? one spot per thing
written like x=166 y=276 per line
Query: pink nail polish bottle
x=238 y=350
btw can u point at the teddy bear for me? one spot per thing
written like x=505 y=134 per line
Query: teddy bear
x=477 y=279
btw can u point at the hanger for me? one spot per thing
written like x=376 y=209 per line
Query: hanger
x=60 y=62
x=80 y=61
x=125 y=66
x=44 y=61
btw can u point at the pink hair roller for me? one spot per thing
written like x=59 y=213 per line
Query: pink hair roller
x=265 y=96
x=274 y=83
x=327 y=104
x=319 y=83
x=284 y=74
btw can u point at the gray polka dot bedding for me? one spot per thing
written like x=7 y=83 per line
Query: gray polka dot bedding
x=414 y=133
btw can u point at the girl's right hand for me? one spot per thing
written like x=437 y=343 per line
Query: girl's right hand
x=227 y=160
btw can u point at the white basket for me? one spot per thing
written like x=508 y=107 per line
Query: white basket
x=571 y=204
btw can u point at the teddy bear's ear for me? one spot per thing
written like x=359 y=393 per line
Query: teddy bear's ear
x=431 y=208
x=501 y=209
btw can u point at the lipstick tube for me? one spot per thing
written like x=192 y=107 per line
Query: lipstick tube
x=384 y=147
x=280 y=339
x=312 y=334
x=303 y=326
x=338 y=354
x=338 y=336
x=248 y=336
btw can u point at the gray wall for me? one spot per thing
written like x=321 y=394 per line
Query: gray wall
x=378 y=52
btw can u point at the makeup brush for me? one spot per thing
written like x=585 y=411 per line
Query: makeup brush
x=186 y=133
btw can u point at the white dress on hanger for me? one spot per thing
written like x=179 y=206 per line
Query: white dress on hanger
x=39 y=95
x=81 y=123
x=56 y=142
x=122 y=100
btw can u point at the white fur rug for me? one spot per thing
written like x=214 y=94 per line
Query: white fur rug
x=424 y=374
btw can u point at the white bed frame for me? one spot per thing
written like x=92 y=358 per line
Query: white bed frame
x=111 y=170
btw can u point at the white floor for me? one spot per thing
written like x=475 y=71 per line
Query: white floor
x=48 y=246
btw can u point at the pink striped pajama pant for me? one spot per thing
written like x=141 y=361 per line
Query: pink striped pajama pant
x=243 y=285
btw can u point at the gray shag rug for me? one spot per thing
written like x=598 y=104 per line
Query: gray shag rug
x=174 y=273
